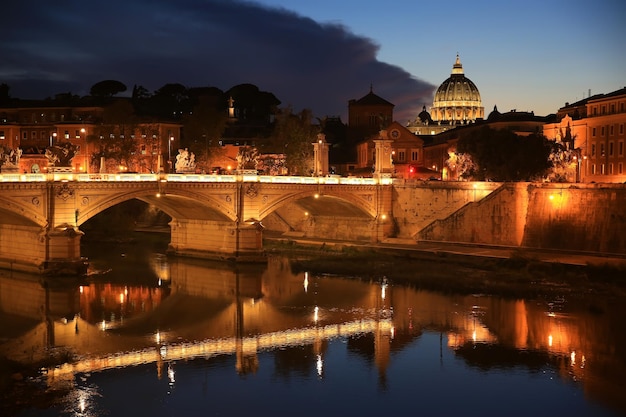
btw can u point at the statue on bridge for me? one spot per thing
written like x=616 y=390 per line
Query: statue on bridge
x=9 y=158
x=247 y=159
x=185 y=161
x=61 y=155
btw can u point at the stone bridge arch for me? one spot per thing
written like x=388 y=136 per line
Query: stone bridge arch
x=177 y=202
x=212 y=216
x=325 y=211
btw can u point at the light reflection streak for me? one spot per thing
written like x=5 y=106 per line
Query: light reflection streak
x=226 y=346
x=319 y=365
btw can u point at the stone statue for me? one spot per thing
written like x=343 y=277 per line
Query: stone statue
x=247 y=158
x=61 y=155
x=10 y=158
x=185 y=161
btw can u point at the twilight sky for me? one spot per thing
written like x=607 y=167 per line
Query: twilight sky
x=530 y=56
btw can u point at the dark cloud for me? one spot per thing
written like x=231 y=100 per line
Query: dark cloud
x=50 y=47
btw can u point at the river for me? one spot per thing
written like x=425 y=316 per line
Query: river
x=147 y=334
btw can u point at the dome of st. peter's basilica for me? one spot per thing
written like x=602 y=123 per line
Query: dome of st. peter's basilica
x=457 y=100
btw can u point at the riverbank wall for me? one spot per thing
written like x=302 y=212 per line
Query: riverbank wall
x=579 y=217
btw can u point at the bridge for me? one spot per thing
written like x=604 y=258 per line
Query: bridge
x=220 y=216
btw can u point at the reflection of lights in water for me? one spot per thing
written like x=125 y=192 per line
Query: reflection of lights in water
x=383 y=288
x=170 y=373
x=157 y=337
x=550 y=340
x=316 y=314
x=306 y=281
x=80 y=289
x=319 y=365
x=392 y=332
x=104 y=325
x=292 y=337
x=121 y=298
x=160 y=267
x=573 y=357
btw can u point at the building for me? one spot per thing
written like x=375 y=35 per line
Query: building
x=35 y=126
x=457 y=100
x=593 y=130
x=367 y=116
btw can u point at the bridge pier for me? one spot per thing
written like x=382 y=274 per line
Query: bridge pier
x=63 y=251
x=216 y=240
x=35 y=250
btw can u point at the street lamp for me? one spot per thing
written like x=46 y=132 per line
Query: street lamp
x=169 y=153
x=84 y=132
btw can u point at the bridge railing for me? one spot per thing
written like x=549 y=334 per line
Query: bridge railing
x=139 y=177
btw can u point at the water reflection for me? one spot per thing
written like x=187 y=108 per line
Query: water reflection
x=184 y=309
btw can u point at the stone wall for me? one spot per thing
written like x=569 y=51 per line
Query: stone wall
x=585 y=217
x=418 y=204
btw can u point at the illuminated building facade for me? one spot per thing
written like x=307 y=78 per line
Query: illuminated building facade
x=457 y=100
x=34 y=127
x=594 y=129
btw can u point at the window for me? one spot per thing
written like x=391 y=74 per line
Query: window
x=66 y=134
x=1 y=134
x=593 y=132
x=611 y=130
x=620 y=168
x=401 y=156
x=25 y=135
x=612 y=108
x=595 y=111
x=620 y=148
x=602 y=169
x=611 y=149
x=602 y=149
x=621 y=129
x=603 y=109
x=593 y=169
x=414 y=155
x=143 y=149
x=602 y=131
x=33 y=134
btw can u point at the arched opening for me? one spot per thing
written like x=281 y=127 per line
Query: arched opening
x=319 y=216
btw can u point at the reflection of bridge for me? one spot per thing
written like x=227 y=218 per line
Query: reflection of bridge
x=211 y=214
x=248 y=346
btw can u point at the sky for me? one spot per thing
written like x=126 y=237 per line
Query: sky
x=529 y=56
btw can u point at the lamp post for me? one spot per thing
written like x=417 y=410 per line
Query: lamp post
x=83 y=131
x=169 y=154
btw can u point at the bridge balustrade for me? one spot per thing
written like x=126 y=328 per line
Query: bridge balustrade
x=138 y=177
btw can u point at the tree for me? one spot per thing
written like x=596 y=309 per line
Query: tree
x=501 y=155
x=294 y=135
x=203 y=128
x=116 y=135
x=107 y=88
x=4 y=93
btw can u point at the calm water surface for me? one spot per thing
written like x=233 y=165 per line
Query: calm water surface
x=157 y=336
